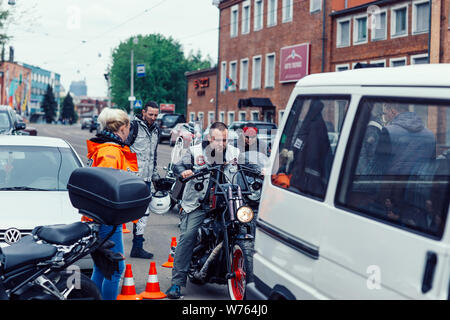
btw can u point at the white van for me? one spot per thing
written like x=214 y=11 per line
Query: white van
x=357 y=201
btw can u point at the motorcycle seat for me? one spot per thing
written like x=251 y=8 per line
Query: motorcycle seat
x=25 y=251
x=64 y=234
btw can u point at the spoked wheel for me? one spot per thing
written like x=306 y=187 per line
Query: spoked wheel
x=241 y=266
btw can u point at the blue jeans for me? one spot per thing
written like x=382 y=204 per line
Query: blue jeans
x=110 y=288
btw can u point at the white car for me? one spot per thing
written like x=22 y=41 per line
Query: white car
x=34 y=172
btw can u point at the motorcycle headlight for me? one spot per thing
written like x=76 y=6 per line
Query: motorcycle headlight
x=245 y=214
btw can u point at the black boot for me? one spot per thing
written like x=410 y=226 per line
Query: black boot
x=137 y=251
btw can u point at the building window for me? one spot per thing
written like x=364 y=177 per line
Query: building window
x=234 y=21
x=223 y=76
x=230 y=117
x=379 y=62
x=259 y=15
x=399 y=21
x=343 y=33
x=272 y=13
x=270 y=70
x=378 y=26
x=246 y=17
x=242 y=115
x=354 y=63
x=419 y=59
x=201 y=117
x=315 y=5
x=420 y=16
x=280 y=117
x=222 y=116
x=191 y=116
x=243 y=79
x=342 y=67
x=256 y=74
x=255 y=115
x=360 y=30
x=233 y=75
x=210 y=117
x=287 y=10
x=397 y=62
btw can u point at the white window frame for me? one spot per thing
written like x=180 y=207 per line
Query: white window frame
x=280 y=116
x=256 y=86
x=191 y=116
x=223 y=75
x=246 y=23
x=210 y=121
x=233 y=77
x=285 y=17
x=418 y=56
x=379 y=61
x=256 y=17
x=354 y=63
x=253 y=113
x=372 y=31
x=344 y=65
x=393 y=21
x=201 y=117
x=355 y=29
x=222 y=116
x=233 y=24
x=338 y=33
x=319 y=8
x=242 y=113
x=271 y=10
x=229 y=117
x=414 y=18
x=267 y=71
x=392 y=60
x=243 y=85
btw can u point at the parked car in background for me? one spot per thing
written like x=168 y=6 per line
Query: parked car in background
x=167 y=121
x=185 y=130
x=95 y=125
x=266 y=130
x=8 y=121
x=85 y=123
x=359 y=209
x=34 y=172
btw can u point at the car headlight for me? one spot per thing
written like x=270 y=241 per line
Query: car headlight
x=245 y=214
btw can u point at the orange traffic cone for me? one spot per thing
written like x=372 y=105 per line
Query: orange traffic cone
x=173 y=245
x=124 y=228
x=152 y=290
x=128 y=288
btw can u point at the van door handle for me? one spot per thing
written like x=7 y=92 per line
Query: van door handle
x=430 y=267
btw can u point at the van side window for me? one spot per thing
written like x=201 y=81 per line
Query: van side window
x=308 y=144
x=397 y=163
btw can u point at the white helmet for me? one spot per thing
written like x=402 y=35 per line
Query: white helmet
x=160 y=202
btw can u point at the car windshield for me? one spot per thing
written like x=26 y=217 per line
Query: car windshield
x=265 y=127
x=4 y=121
x=169 y=120
x=36 y=168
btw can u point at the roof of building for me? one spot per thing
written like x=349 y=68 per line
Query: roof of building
x=424 y=75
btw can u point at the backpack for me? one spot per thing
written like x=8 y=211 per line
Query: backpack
x=134 y=129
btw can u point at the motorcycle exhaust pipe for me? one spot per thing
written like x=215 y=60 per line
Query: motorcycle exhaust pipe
x=200 y=275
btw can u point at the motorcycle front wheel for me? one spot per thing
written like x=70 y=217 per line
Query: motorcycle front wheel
x=242 y=266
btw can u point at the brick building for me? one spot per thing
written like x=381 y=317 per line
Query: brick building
x=265 y=46
x=201 y=95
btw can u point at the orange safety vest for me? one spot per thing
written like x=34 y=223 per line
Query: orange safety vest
x=111 y=155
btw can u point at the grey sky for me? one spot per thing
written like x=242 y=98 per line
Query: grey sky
x=75 y=37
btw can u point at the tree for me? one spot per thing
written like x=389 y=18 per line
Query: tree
x=165 y=66
x=49 y=105
x=68 y=110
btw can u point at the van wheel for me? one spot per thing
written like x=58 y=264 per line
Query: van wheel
x=242 y=266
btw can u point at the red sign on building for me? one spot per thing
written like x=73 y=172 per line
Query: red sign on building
x=167 y=108
x=294 y=62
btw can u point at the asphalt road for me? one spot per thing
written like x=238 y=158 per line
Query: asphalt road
x=160 y=228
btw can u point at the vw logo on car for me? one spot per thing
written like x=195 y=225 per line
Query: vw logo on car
x=12 y=235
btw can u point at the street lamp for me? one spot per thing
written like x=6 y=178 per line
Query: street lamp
x=132 y=98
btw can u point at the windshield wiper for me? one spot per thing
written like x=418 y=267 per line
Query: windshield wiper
x=24 y=189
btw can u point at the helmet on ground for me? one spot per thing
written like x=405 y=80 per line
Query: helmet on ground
x=160 y=202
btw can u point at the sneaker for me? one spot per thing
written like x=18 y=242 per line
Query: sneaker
x=174 y=292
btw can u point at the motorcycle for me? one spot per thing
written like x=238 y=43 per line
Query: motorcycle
x=223 y=253
x=40 y=266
